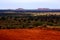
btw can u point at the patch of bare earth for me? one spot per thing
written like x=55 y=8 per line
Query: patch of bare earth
x=29 y=34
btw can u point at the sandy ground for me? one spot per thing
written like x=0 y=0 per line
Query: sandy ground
x=29 y=34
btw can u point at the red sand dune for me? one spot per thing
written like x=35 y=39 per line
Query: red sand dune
x=29 y=34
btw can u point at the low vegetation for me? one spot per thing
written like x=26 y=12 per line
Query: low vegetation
x=12 y=22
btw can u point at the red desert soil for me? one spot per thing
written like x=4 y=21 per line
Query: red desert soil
x=29 y=34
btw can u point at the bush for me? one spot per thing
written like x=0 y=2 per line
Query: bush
x=50 y=23
x=38 y=23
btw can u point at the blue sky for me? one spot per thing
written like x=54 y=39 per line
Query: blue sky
x=29 y=4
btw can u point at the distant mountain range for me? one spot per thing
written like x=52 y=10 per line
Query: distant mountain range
x=31 y=10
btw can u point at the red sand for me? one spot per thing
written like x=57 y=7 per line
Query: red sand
x=29 y=34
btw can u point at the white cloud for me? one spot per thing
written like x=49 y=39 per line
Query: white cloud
x=27 y=1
